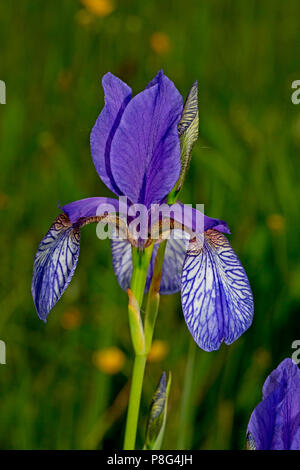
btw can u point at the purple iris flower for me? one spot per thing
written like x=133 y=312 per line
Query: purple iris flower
x=275 y=422
x=135 y=146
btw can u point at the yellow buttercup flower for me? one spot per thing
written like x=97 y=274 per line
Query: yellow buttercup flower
x=4 y=201
x=276 y=222
x=64 y=79
x=99 y=7
x=262 y=357
x=160 y=43
x=158 y=351
x=71 y=319
x=109 y=360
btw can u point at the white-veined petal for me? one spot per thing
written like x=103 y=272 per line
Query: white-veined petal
x=216 y=296
x=54 y=264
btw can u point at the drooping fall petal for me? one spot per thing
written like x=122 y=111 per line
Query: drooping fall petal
x=216 y=296
x=54 y=264
x=57 y=255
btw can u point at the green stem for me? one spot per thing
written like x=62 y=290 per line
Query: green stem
x=185 y=411
x=140 y=260
x=134 y=401
x=142 y=342
x=153 y=296
x=142 y=337
x=173 y=196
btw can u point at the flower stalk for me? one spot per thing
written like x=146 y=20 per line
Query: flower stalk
x=153 y=296
x=141 y=341
x=140 y=261
x=134 y=401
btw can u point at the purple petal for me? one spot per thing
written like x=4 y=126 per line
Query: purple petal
x=156 y=79
x=285 y=372
x=262 y=422
x=91 y=207
x=145 y=152
x=216 y=296
x=295 y=444
x=117 y=97
x=275 y=422
x=122 y=262
x=54 y=264
x=192 y=219
x=58 y=252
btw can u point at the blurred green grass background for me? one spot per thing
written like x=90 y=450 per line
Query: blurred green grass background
x=61 y=388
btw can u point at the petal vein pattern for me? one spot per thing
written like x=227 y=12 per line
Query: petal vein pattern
x=216 y=296
x=54 y=264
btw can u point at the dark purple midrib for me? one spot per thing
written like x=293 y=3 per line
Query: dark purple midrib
x=109 y=143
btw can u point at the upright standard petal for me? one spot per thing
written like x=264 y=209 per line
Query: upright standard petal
x=156 y=79
x=275 y=422
x=117 y=97
x=54 y=264
x=145 y=152
x=216 y=296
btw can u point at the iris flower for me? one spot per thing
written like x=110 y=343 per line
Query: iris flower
x=275 y=422
x=140 y=147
